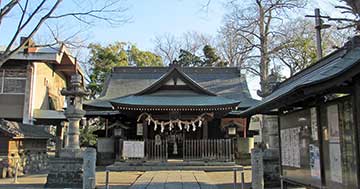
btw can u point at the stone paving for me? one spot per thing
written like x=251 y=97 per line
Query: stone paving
x=122 y=180
x=173 y=180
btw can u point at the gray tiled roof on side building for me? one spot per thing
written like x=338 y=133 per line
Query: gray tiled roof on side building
x=332 y=66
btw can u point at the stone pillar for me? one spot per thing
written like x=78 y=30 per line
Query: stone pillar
x=244 y=147
x=73 y=134
x=89 y=166
x=257 y=168
x=270 y=131
x=271 y=154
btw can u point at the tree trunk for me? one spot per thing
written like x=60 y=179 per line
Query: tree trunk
x=264 y=57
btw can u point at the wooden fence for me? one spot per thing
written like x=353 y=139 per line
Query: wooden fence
x=208 y=150
x=156 y=151
x=193 y=150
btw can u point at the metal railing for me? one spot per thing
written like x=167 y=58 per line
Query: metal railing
x=220 y=150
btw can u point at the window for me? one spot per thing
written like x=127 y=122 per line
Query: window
x=339 y=145
x=300 y=153
x=12 y=81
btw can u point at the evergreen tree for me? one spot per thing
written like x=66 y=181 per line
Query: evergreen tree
x=103 y=59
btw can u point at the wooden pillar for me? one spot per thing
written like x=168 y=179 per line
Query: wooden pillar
x=356 y=112
x=28 y=106
x=145 y=130
x=321 y=143
x=244 y=125
x=280 y=149
x=205 y=129
x=106 y=127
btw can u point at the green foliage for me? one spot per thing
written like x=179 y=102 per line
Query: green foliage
x=87 y=138
x=210 y=58
x=144 y=58
x=186 y=58
x=104 y=58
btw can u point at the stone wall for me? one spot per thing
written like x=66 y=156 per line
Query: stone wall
x=65 y=173
x=105 y=151
x=30 y=155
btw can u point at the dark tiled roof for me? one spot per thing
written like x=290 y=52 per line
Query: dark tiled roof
x=331 y=66
x=174 y=100
x=19 y=130
x=225 y=82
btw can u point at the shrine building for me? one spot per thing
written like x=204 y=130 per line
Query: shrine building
x=161 y=113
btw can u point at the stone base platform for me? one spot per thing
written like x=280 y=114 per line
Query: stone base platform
x=65 y=173
x=174 y=165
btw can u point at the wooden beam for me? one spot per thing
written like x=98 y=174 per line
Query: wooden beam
x=64 y=67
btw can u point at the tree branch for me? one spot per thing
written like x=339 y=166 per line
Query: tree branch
x=6 y=55
x=7 y=8
x=20 y=28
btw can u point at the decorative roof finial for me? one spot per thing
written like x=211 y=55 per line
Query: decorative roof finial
x=175 y=63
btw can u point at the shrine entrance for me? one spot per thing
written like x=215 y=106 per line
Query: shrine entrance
x=186 y=145
x=174 y=140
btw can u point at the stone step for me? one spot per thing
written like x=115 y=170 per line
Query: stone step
x=173 y=163
x=165 y=167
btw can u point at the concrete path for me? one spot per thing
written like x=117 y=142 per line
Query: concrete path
x=173 y=180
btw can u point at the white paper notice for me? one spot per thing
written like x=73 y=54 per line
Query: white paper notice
x=290 y=149
x=335 y=162
x=139 y=129
x=314 y=161
x=133 y=149
x=333 y=123
x=334 y=143
x=314 y=128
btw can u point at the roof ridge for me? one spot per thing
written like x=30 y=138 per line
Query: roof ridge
x=195 y=86
x=122 y=69
x=318 y=64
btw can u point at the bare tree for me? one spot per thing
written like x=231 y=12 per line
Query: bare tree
x=168 y=46
x=31 y=16
x=354 y=6
x=234 y=46
x=259 y=20
x=299 y=49
x=194 y=42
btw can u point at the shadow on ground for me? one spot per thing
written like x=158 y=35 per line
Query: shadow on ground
x=231 y=186
x=21 y=186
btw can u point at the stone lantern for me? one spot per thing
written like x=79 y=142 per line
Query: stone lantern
x=73 y=113
x=66 y=171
